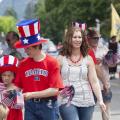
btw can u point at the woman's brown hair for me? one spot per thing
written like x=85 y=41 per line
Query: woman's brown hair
x=67 y=44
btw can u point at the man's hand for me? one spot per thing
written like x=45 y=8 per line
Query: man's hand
x=106 y=89
x=27 y=95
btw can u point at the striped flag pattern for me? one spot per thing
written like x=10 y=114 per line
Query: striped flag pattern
x=82 y=26
x=6 y=100
x=8 y=60
x=29 y=30
x=12 y=99
x=19 y=101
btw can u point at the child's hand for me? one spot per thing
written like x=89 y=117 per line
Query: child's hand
x=3 y=111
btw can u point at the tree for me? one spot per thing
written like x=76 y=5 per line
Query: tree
x=48 y=20
x=7 y=23
x=10 y=12
x=58 y=14
x=40 y=13
x=30 y=9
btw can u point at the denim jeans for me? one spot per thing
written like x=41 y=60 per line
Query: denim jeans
x=76 y=113
x=41 y=110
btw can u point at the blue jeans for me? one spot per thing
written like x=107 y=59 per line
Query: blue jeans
x=76 y=113
x=41 y=110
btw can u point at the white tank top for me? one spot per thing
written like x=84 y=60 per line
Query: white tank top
x=78 y=77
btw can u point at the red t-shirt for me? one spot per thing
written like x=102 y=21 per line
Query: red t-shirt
x=37 y=76
x=91 y=53
x=15 y=114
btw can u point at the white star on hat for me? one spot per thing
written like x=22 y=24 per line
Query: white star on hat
x=38 y=37
x=25 y=41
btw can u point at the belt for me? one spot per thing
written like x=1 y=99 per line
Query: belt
x=53 y=99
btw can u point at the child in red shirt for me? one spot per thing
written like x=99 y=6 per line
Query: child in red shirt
x=38 y=75
x=8 y=68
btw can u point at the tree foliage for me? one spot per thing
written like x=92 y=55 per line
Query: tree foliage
x=40 y=12
x=29 y=11
x=10 y=12
x=56 y=15
x=7 y=23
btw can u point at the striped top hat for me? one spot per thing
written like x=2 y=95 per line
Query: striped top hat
x=29 y=33
x=8 y=63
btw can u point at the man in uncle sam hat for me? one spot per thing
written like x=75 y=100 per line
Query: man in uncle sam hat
x=38 y=75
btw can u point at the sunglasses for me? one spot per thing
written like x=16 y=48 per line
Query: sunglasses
x=94 y=38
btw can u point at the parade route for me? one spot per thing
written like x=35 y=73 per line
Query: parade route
x=115 y=104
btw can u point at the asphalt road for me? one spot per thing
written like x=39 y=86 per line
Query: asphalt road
x=115 y=104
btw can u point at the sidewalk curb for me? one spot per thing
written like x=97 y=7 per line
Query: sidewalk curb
x=115 y=113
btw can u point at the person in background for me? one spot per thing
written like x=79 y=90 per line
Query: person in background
x=118 y=67
x=78 y=70
x=8 y=70
x=113 y=46
x=59 y=46
x=38 y=75
x=11 y=38
x=98 y=51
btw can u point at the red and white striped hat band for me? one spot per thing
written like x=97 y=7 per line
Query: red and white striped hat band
x=28 y=28
x=82 y=26
x=8 y=60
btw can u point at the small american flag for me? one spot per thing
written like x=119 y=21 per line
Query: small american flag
x=12 y=99
x=5 y=99
x=19 y=101
x=68 y=92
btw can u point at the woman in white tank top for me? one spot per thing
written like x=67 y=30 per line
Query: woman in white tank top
x=77 y=69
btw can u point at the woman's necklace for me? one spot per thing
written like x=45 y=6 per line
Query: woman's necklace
x=75 y=61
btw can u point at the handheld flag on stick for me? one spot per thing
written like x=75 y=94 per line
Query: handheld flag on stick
x=115 y=23
x=12 y=99
x=67 y=92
